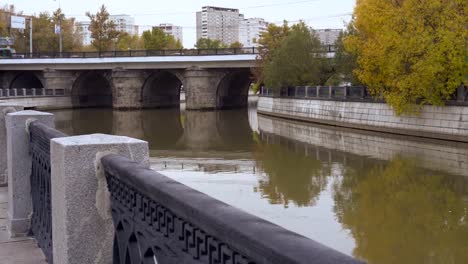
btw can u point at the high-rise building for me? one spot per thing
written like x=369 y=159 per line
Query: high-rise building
x=328 y=36
x=218 y=23
x=250 y=30
x=172 y=30
x=124 y=23
x=83 y=27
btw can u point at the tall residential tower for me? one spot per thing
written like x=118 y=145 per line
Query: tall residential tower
x=218 y=23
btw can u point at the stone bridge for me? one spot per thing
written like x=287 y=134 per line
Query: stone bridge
x=210 y=82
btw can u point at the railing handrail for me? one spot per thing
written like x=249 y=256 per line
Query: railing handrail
x=343 y=93
x=136 y=53
x=145 y=53
x=257 y=239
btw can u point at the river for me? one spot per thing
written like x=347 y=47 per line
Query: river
x=379 y=197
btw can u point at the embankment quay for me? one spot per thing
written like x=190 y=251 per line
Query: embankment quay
x=352 y=107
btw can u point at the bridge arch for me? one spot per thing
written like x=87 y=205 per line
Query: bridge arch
x=92 y=89
x=27 y=79
x=233 y=89
x=162 y=89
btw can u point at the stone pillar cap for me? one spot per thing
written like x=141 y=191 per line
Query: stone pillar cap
x=96 y=139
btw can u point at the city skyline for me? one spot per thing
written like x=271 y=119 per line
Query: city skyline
x=316 y=13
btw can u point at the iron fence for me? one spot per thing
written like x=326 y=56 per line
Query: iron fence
x=348 y=93
x=158 y=220
x=146 y=53
x=136 y=53
x=41 y=220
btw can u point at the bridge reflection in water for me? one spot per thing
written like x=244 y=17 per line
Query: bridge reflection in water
x=381 y=198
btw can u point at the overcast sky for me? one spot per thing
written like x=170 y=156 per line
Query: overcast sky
x=316 y=13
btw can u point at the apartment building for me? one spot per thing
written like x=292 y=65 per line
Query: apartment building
x=175 y=31
x=218 y=23
x=250 y=30
x=125 y=23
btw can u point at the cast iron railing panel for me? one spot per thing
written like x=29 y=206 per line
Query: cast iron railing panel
x=158 y=220
x=41 y=220
x=348 y=93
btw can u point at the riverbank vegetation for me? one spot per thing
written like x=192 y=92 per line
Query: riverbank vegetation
x=407 y=52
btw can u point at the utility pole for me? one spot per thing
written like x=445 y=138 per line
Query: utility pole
x=30 y=36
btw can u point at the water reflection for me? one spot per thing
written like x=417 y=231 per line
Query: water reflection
x=400 y=213
x=292 y=176
x=165 y=129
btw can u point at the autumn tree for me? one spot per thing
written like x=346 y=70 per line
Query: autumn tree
x=157 y=39
x=207 y=43
x=410 y=52
x=103 y=30
x=298 y=60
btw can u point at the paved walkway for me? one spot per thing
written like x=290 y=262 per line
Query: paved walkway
x=16 y=250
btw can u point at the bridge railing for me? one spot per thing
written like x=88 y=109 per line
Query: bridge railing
x=347 y=93
x=157 y=218
x=137 y=53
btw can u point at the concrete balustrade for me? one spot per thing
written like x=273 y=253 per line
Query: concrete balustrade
x=4 y=110
x=82 y=226
x=19 y=168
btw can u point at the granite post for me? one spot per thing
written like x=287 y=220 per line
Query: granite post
x=82 y=225
x=19 y=168
x=4 y=110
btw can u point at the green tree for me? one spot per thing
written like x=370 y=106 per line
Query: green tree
x=157 y=39
x=410 y=52
x=344 y=62
x=236 y=45
x=206 y=43
x=298 y=60
x=269 y=41
x=127 y=41
x=103 y=30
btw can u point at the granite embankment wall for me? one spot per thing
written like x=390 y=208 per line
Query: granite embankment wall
x=41 y=103
x=447 y=122
x=451 y=157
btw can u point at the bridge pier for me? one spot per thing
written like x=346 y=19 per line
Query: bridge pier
x=126 y=90
x=200 y=88
x=59 y=80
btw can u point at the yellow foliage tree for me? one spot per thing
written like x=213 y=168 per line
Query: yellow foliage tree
x=410 y=52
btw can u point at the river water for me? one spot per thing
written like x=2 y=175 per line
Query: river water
x=379 y=197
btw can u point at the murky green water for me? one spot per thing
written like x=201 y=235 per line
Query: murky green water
x=378 y=197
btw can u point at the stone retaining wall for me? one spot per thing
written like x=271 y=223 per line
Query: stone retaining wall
x=448 y=122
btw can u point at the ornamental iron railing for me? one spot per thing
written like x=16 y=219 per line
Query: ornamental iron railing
x=41 y=220
x=158 y=220
x=347 y=93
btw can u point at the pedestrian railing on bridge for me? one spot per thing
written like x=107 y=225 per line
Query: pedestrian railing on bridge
x=148 y=53
x=347 y=93
x=137 y=53
x=92 y=204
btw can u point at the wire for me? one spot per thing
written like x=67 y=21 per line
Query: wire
x=191 y=12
